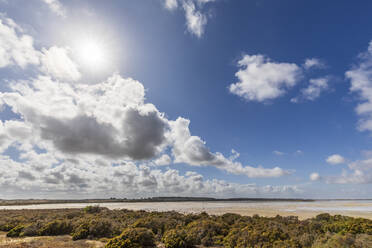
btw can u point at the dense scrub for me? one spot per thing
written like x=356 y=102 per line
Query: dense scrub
x=124 y=228
x=133 y=238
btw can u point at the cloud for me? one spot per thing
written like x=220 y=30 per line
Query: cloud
x=360 y=76
x=163 y=160
x=196 y=19
x=16 y=48
x=78 y=119
x=278 y=153
x=314 y=176
x=299 y=152
x=193 y=151
x=355 y=177
x=124 y=180
x=112 y=120
x=316 y=86
x=201 y=2
x=26 y=175
x=313 y=63
x=56 y=7
x=57 y=63
x=74 y=138
x=171 y=4
x=313 y=90
x=335 y=159
x=361 y=164
x=261 y=79
x=360 y=172
x=269 y=189
x=12 y=131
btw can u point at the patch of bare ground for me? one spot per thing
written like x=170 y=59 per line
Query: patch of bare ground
x=64 y=241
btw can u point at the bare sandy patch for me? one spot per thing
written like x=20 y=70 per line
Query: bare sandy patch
x=64 y=241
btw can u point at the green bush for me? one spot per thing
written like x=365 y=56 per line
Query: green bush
x=155 y=224
x=31 y=230
x=176 y=239
x=230 y=218
x=95 y=228
x=6 y=227
x=133 y=238
x=255 y=235
x=335 y=241
x=15 y=232
x=206 y=232
x=92 y=209
x=142 y=229
x=81 y=232
x=323 y=217
x=56 y=227
x=100 y=228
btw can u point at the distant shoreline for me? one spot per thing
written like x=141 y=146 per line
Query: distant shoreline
x=18 y=202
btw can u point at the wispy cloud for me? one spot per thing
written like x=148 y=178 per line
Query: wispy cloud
x=278 y=153
x=171 y=4
x=313 y=90
x=313 y=63
x=195 y=15
x=360 y=76
x=17 y=48
x=56 y=7
x=358 y=172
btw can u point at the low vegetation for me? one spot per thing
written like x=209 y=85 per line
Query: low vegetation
x=135 y=229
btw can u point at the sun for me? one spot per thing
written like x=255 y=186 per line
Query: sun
x=94 y=51
x=92 y=54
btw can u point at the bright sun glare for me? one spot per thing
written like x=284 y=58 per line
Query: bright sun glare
x=91 y=54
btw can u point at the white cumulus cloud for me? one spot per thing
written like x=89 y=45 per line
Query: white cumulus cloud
x=193 y=150
x=56 y=62
x=261 y=79
x=335 y=159
x=16 y=48
x=314 y=176
x=163 y=160
x=72 y=178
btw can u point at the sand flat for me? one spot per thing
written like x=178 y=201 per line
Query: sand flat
x=301 y=209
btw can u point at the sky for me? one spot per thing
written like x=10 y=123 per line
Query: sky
x=216 y=98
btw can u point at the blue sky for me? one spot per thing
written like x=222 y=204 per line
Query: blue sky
x=185 y=97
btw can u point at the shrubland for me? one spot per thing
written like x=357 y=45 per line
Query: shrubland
x=135 y=229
